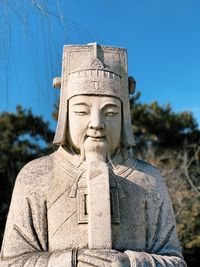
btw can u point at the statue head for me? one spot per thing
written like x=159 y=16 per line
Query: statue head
x=94 y=74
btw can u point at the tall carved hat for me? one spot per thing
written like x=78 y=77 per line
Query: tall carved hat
x=93 y=70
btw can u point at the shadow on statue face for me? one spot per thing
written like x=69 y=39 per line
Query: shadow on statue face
x=94 y=123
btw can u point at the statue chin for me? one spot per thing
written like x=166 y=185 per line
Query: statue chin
x=95 y=149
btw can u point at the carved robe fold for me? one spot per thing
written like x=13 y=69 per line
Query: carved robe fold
x=48 y=214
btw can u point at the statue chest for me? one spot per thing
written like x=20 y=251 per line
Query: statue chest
x=68 y=218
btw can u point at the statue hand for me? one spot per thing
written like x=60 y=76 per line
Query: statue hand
x=103 y=258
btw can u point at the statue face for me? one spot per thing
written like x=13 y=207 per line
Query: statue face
x=94 y=122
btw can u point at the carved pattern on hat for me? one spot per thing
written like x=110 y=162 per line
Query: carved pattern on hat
x=94 y=87
x=111 y=57
x=95 y=63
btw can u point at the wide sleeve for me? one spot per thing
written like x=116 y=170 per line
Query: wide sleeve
x=162 y=244
x=25 y=241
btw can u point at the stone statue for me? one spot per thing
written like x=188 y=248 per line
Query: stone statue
x=91 y=203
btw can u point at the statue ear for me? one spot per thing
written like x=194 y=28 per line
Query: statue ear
x=57 y=82
x=61 y=129
x=131 y=84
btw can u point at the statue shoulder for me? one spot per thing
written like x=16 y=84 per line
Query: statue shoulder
x=141 y=166
x=35 y=174
x=147 y=168
x=144 y=174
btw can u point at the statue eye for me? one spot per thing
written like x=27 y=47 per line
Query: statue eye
x=80 y=113
x=111 y=113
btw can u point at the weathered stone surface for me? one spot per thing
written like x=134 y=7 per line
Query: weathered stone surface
x=91 y=203
x=99 y=213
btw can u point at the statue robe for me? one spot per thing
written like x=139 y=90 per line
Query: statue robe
x=48 y=214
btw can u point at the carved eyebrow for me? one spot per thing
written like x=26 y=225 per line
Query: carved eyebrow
x=107 y=105
x=111 y=105
x=81 y=104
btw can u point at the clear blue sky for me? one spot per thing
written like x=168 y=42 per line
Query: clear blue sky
x=162 y=38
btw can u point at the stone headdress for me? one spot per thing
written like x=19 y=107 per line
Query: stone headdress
x=93 y=70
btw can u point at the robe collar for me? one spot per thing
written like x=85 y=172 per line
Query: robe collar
x=122 y=165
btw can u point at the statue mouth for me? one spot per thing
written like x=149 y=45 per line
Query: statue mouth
x=96 y=138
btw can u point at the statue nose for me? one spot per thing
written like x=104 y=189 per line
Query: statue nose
x=96 y=123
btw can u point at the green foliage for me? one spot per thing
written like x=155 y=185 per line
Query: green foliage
x=23 y=137
x=161 y=126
